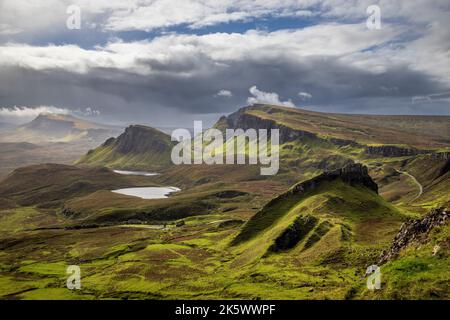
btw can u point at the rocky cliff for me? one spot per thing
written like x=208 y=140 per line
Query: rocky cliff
x=393 y=151
x=414 y=232
x=242 y=120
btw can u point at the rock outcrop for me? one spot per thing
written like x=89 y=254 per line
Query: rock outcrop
x=393 y=151
x=414 y=232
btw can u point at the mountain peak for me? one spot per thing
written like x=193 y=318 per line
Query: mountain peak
x=138 y=147
x=141 y=139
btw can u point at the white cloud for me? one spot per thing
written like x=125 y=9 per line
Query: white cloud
x=304 y=95
x=88 y=112
x=218 y=48
x=224 y=93
x=271 y=98
x=149 y=15
x=24 y=114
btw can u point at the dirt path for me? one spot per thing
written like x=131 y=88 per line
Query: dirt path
x=415 y=181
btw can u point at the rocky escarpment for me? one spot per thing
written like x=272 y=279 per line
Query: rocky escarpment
x=442 y=156
x=243 y=120
x=414 y=232
x=393 y=151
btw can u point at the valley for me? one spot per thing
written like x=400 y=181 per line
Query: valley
x=345 y=187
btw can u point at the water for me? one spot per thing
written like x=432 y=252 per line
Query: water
x=136 y=173
x=148 y=192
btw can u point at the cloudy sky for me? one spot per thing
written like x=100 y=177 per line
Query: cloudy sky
x=169 y=62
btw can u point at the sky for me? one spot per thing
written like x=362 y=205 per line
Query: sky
x=170 y=62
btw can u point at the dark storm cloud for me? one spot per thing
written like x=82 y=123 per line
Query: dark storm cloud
x=334 y=86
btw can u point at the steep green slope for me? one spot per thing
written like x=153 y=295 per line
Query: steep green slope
x=342 y=204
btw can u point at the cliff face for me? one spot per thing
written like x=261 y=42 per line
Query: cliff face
x=414 y=232
x=393 y=151
x=243 y=120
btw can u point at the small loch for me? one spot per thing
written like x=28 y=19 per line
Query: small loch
x=148 y=192
x=136 y=173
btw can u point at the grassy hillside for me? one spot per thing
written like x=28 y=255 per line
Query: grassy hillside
x=299 y=219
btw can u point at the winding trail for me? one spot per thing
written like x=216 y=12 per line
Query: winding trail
x=415 y=181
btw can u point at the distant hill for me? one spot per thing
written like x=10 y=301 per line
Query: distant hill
x=55 y=138
x=139 y=147
x=49 y=127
